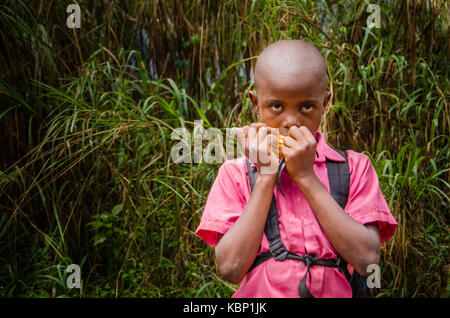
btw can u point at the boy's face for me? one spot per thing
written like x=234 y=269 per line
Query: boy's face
x=287 y=100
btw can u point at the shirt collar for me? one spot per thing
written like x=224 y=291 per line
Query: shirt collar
x=325 y=151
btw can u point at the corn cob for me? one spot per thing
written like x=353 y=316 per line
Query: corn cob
x=280 y=144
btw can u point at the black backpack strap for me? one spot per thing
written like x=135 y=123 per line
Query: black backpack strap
x=272 y=229
x=252 y=174
x=339 y=179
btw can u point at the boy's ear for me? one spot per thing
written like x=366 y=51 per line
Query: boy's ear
x=326 y=100
x=253 y=99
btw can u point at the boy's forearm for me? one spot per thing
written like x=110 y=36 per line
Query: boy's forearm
x=238 y=248
x=357 y=244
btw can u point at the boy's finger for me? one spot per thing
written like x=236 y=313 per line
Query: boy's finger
x=269 y=145
x=273 y=140
x=286 y=151
x=307 y=134
x=251 y=133
x=270 y=130
x=257 y=125
x=296 y=134
x=289 y=141
x=263 y=141
x=262 y=133
x=273 y=131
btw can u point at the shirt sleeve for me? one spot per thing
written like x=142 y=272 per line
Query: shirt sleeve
x=224 y=205
x=366 y=203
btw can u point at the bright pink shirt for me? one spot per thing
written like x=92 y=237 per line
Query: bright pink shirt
x=299 y=228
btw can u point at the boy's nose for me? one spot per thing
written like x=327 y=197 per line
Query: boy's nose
x=290 y=122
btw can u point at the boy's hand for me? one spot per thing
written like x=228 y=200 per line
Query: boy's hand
x=299 y=150
x=260 y=145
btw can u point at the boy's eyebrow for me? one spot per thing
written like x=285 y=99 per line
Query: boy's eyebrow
x=308 y=101
x=270 y=101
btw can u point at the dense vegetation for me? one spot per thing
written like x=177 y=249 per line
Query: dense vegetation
x=86 y=118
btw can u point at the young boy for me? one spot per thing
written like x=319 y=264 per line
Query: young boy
x=290 y=97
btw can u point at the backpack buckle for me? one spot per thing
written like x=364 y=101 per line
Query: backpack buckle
x=278 y=251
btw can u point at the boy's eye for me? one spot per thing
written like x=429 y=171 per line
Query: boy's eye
x=276 y=106
x=308 y=106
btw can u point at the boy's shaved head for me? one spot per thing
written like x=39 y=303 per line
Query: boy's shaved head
x=291 y=86
x=290 y=57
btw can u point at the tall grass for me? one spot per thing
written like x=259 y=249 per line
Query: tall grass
x=86 y=118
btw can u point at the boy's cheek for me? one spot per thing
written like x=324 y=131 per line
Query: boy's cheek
x=267 y=119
